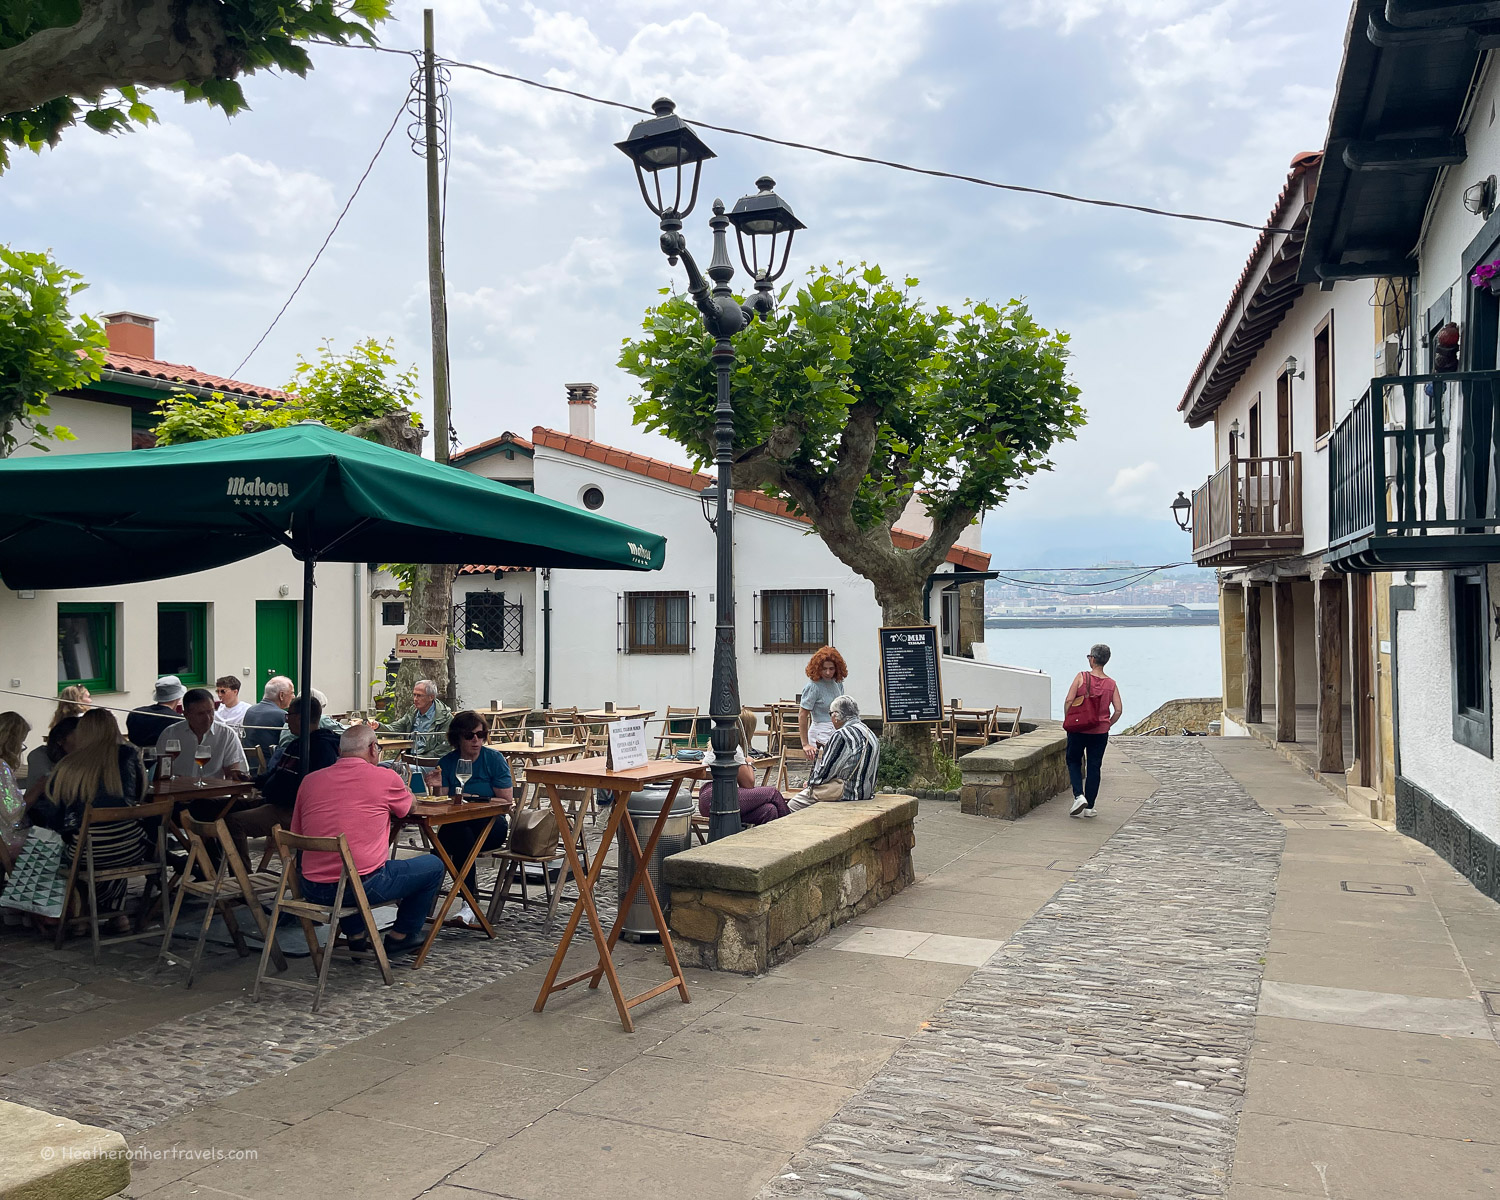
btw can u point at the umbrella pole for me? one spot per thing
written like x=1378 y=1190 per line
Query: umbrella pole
x=304 y=746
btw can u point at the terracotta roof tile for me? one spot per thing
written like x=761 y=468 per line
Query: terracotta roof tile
x=670 y=473
x=155 y=368
x=481 y=569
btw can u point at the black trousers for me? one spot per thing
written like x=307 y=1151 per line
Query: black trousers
x=1086 y=780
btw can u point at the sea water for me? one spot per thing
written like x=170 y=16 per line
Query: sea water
x=1152 y=664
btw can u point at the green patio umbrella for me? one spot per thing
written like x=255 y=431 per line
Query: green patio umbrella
x=90 y=520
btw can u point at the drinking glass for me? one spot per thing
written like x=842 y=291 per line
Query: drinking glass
x=148 y=763
x=464 y=769
x=172 y=748
x=201 y=755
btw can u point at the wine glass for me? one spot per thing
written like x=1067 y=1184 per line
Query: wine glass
x=172 y=748
x=201 y=754
x=148 y=764
x=464 y=769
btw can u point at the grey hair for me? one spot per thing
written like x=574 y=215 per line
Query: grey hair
x=427 y=686
x=320 y=697
x=846 y=707
x=275 y=686
x=1099 y=652
x=356 y=741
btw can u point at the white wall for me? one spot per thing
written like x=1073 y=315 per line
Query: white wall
x=588 y=663
x=488 y=675
x=1464 y=780
x=94 y=426
x=28 y=632
x=1353 y=367
x=974 y=682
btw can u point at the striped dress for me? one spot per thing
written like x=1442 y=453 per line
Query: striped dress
x=118 y=844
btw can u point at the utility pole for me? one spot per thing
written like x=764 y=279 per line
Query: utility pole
x=437 y=288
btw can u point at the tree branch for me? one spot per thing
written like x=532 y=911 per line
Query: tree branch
x=118 y=43
x=945 y=534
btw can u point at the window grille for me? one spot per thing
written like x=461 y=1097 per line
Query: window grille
x=794 y=622
x=658 y=622
x=490 y=621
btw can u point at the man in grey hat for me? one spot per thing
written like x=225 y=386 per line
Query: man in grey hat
x=144 y=725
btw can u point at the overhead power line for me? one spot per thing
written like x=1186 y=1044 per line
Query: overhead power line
x=370 y=166
x=893 y=164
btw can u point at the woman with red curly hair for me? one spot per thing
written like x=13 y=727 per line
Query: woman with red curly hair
x=826 y=672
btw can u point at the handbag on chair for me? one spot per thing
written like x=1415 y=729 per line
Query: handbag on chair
x=534 y=833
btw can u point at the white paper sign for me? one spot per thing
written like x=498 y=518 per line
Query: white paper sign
x=627 y=745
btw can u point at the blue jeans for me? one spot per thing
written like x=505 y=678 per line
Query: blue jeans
x=1086 y=783
x=413 y=882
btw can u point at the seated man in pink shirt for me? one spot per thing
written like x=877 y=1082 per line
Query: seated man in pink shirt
x=357 y=797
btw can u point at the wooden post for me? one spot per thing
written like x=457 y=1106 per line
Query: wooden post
x=1286 y=661
x=1252 y=655
x=1330 y=637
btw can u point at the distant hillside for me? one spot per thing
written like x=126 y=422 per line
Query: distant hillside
x=1032 y=541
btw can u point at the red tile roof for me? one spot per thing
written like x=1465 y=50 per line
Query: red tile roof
x=506 y=438
x=1306 y=163
x=669 y=473
x=155 y=368
x=480 y=569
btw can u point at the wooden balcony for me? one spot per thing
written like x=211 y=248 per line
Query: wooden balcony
x=1414 y=475
x=1249 y=510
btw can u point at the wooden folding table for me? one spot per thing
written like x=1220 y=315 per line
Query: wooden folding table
x=591 y=773
x=431 y=815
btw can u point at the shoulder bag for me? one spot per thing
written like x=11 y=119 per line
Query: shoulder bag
x=1083 y=713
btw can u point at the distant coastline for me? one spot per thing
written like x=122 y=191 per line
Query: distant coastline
x=1110 y=619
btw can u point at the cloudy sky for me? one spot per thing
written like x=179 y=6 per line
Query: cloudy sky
x=207 y=223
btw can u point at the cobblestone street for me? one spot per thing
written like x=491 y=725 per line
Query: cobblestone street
x=1226 y=985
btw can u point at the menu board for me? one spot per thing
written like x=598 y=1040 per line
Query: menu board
x=910 y=687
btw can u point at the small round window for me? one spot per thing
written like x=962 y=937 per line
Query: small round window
x=593 y=498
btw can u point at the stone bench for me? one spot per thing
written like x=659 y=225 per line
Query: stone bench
x=43 y=1157
x=1007 y=779
x=748 y=902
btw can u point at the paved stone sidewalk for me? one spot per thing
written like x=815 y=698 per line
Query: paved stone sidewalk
x=1102 y=1050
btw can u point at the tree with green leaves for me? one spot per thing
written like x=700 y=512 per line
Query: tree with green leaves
x=853 y=398
x=62 y=61
x=361 y=393
x=44 y=348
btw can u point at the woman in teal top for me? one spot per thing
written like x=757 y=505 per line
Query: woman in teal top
x=491 y=779
x=826 y=672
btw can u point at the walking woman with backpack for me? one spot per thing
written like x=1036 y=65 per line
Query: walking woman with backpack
x=1089 y=712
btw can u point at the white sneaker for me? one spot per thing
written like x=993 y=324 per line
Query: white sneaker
x=1088 y=812
x=1079 y=804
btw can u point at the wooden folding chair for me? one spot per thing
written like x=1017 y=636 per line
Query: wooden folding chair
x=222 y=887
x=153 y=873
x=969 y=729
x=1005 y=723
x=675 y=738
x=561 y=723
x=789 y=731
x=289 y=846
x=513 y=865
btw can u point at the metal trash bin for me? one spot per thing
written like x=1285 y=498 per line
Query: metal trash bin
x=643 y=808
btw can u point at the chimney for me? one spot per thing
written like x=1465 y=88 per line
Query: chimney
x=131 y=333
x=582 y=403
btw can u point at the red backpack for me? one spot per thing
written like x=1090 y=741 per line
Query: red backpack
x=1088 y=709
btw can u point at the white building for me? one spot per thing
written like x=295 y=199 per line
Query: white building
x=241 y=620
x=1402 y=494
x=584 y=637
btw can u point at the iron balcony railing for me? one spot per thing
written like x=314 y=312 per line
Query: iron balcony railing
x=1418 y=455
x=1252 y=505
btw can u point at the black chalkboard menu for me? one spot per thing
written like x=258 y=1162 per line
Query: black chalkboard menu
x=910 y=686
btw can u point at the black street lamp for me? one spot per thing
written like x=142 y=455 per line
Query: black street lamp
x=660 y=148
x=1182 y=512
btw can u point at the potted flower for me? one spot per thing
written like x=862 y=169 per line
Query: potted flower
x=1487 y=275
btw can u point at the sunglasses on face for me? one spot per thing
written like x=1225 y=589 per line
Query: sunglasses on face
x=473 y=733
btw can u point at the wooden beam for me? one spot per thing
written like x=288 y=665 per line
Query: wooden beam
x=1286 y=661
x=1392 y=268
x=1253 y=714
x=1404 y=154
x=1330 y=638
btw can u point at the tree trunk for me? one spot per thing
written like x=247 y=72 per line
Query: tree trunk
x=429 y=605
x=901 y=604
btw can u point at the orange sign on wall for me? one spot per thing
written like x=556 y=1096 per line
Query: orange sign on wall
x=419 y=645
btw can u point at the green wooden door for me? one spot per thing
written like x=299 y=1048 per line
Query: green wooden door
x=275 y=642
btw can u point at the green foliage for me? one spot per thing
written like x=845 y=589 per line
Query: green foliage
x=250 y=36
x=946 y=774
x=341 y=391
x=44 y=349
x=965 y=404
x=898 y=766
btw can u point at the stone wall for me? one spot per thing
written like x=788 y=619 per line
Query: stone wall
x=1177 y=715
x=1007 y=779
x=748 y=902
